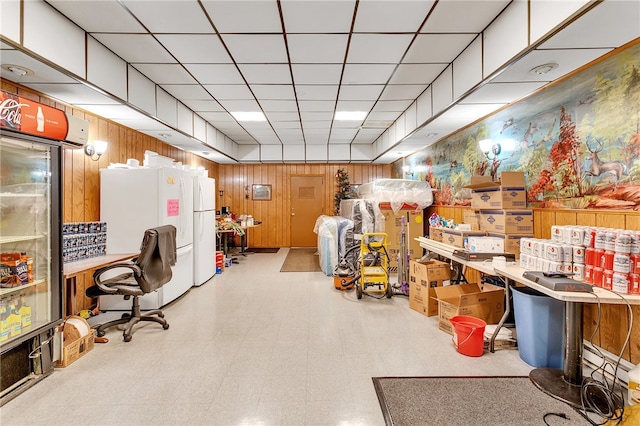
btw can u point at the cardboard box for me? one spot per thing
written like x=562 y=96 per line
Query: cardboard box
x=517 y=222
x=508 y=193
x=457 y=238
x=511 y=242
x=485 y=245
x=469 y=299
x=75 y=345
x=435 y=234
x=424 y=277
x=471 y=217
x=414 y=227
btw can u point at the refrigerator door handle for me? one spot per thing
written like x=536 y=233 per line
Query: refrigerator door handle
x=182 y=208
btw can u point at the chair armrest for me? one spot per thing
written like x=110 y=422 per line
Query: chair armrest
x=137 y=272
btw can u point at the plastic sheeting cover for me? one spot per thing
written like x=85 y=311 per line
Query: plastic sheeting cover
x=398 y=192
x=334 y=233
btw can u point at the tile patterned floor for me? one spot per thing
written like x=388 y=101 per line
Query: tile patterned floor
x=253 y=346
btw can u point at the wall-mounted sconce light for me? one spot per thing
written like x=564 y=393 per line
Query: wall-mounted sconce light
x=221 y=193
x=95 y=149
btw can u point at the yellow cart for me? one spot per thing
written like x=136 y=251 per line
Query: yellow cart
x=374 y=265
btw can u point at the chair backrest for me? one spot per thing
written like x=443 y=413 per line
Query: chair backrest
x=157 y=255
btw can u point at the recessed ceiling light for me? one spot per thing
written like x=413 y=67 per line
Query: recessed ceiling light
x=350 y=115
x=249 y=116
x=543 y=69
x=17 y=70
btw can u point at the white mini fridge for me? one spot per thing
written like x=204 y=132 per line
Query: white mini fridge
x=134 y=200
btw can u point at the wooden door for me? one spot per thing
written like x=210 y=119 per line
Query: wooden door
x=307 y=204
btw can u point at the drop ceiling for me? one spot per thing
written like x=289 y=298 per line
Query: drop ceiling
x=299 y=62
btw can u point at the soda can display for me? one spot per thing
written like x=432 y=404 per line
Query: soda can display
x=588 y=274
x=600 y=237
x=607 y=280
x=590 y=256
x=578 y=254
x=607 y=260
x=621 y=263
x=620 y=283
x=598 y=274
x=623 y=243
x=578 y=272
x=577 y=236
x=634 y=283
x=610 y=238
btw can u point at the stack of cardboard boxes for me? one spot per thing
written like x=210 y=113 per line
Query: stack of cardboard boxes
x=413 y=228
x=502 y=209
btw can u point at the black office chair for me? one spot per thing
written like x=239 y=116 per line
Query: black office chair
x=148 y=272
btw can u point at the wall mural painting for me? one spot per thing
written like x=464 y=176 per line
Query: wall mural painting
x=577 y=142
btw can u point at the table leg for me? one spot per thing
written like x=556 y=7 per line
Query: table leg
x=565 y=384
x=507 y=310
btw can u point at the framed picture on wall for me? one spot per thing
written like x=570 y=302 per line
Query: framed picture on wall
x=261 y=192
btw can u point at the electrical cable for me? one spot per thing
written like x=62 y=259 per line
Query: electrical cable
x=600 y=396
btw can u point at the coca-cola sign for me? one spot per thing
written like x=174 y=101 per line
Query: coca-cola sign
x=27 y=116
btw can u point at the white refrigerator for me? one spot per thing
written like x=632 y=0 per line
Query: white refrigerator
x=204 y=229
x=134 y=200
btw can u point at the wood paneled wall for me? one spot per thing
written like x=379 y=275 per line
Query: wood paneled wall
x=614 y=318
x=236 y=180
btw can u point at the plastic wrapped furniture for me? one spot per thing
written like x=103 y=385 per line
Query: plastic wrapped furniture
x=398 y=192
x=326 y=228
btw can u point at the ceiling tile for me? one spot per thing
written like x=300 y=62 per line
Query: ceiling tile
x=273 y=91
x=377 y=116
x=459 y=16
x=256 y=49
x=308 y=92
x=360 y=92
x=233 y=105
x=502 y=92
x=367 y=73
x=434 y=48
x=378 y=48
x=282 y=116
x=217 y=117
x=328 y=16
x=195 y=48
x=286 y=125
x=229 y=91
x=346 y=134
x=170 y=16
x=316 y=73
x=290 y=133
x=391 y=16
x=199 y=105
x=416 y=73
x=165 y=73
x=317 y=48
x=344 y=105
x=316 y=105
x=402 y=91
x=233 y=16
x=392 y=105
x=99 y=16
x=310 y=124
x=186 y=91
x=316 y=116
x=278 y=105
x=215 y=73
x=266 y=73
x=135 y=48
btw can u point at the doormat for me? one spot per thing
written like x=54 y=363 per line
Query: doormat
x=301 y=260
x=471 y=401
x=263 y=249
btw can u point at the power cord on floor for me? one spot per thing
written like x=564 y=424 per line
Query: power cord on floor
x=561 y=415
x=599 y=396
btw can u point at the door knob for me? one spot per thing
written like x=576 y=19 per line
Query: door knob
x=293 y=214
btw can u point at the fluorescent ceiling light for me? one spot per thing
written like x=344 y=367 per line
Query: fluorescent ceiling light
x=350 y=115
x=249 y=116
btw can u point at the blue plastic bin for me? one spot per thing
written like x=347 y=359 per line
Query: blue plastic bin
x=539 y=327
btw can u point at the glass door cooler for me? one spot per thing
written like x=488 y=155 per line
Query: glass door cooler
x=30 y=259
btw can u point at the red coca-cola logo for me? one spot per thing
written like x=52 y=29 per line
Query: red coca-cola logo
x=10 y=112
